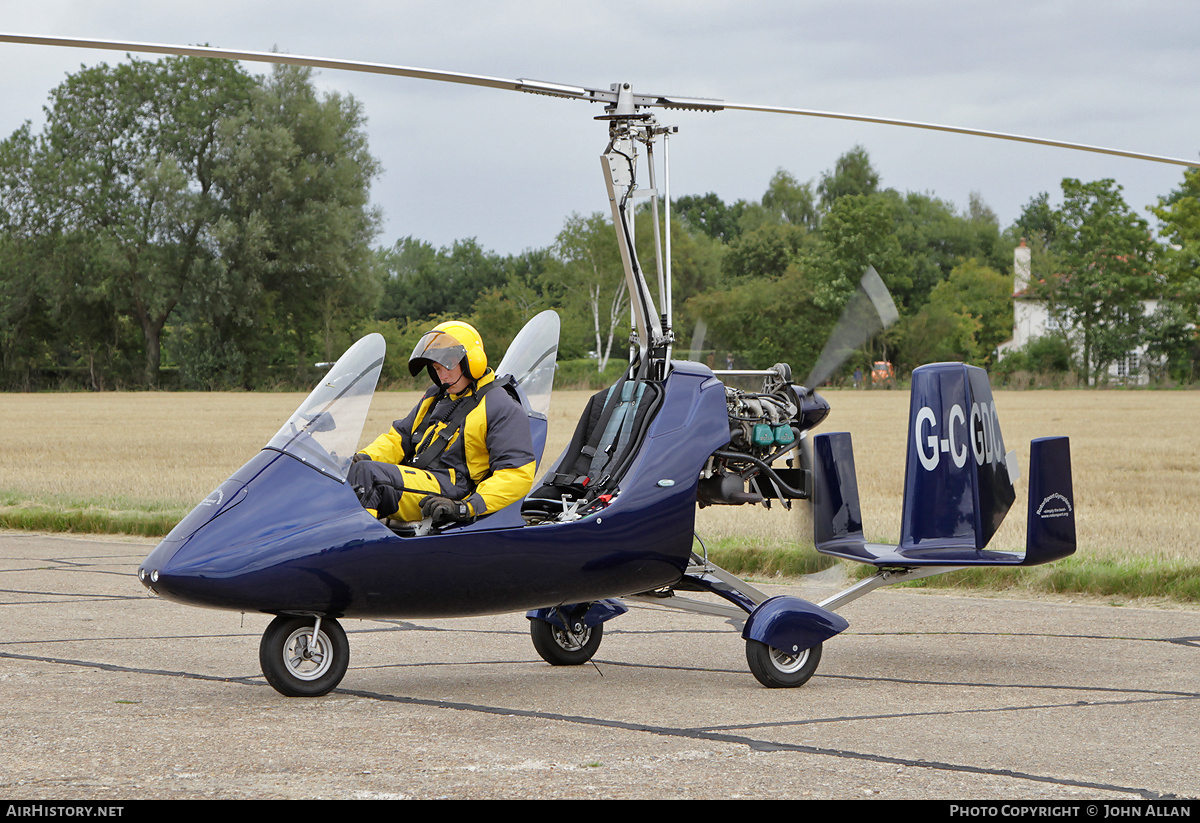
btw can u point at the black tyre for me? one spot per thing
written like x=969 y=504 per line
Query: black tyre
x=560 y=647
x=298 y=666
x=780 y=670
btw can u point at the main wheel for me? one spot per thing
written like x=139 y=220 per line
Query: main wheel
x=562 y=647
x=296 y=664
x=780 y=670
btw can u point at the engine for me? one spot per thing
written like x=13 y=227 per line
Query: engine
x=763 y=427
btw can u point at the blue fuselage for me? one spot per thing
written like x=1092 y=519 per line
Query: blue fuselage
x=281 y=537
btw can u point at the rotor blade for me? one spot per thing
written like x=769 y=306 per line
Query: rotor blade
x=593 y=95
x=266 y=57
x=869 y=311
x=997 y=135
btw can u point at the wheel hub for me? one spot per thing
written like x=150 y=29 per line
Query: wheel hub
x=789 y=663
x=573 y=639
x=305 y=658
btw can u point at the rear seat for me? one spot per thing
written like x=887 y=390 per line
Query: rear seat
x=607 y=437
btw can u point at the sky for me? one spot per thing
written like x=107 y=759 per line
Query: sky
x=508 y=168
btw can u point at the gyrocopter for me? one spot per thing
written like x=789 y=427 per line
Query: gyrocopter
x=611 y=523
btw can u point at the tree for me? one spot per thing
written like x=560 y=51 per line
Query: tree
x=935 y=239
x=187 y=210
x=527 y=283
x=1172 y=331
x=857 y=232
x=1171 y=341
x=851 y=175
x=1038 y=222
x=134 y=149
x=789 y=285
x=297 y=175
x=936 y=334
x=587 y=258
x=1046 y=355
x=696 y=267
x=710 y=215
x=965 y=318
x=423 y=282
x=791 y=201
x=766 y=251
x=58 y=321
x=410 y=285
x=1105 y=253
x=1179 y=216
x=766 y=320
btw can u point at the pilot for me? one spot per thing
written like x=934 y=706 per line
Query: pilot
x=464 y=451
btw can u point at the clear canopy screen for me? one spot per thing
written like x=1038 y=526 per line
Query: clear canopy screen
x=325 y=430
x=531 y=358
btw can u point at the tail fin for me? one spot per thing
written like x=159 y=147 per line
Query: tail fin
x=958 y=483
x=1051 y=524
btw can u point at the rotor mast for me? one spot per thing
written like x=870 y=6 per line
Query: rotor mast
x=652 y=337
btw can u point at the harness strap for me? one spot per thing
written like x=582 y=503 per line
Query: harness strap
x=454 y=422
x=609 y=437
x=614 y=431
x=581 y=460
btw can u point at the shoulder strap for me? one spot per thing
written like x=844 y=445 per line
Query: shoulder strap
x=427 y=419
x=453 y=423
x=582 y=471
x=605 y=439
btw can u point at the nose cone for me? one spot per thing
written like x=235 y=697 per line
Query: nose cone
x=222 y=500
x=813 y=410
x=257 y=542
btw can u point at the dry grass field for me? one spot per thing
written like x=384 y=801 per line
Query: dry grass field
x=1136 y=457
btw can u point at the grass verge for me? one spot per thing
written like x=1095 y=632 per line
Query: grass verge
x=1131 y=578
x=66 y=514
x=1134 y=578
x=765 y=558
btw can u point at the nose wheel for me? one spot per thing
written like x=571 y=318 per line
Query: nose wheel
x=304 y=656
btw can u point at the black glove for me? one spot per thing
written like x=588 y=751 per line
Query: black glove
x=360 y=456
x=443 y=508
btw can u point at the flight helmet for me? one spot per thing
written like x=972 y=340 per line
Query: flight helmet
x=449 y=344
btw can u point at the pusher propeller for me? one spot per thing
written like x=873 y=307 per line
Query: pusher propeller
x=870 y=311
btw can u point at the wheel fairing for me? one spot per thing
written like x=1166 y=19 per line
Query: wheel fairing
x=791 y=624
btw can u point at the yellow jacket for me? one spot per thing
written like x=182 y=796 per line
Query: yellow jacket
x=489 y=461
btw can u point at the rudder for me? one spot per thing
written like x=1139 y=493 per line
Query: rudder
x=958 y=483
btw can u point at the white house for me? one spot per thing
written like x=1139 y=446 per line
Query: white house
x=1032 y=319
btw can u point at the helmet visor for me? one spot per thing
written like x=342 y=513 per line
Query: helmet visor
x=436 y=347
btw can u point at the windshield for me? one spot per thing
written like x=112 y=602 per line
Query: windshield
x=325 y=430
x=531 y=359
